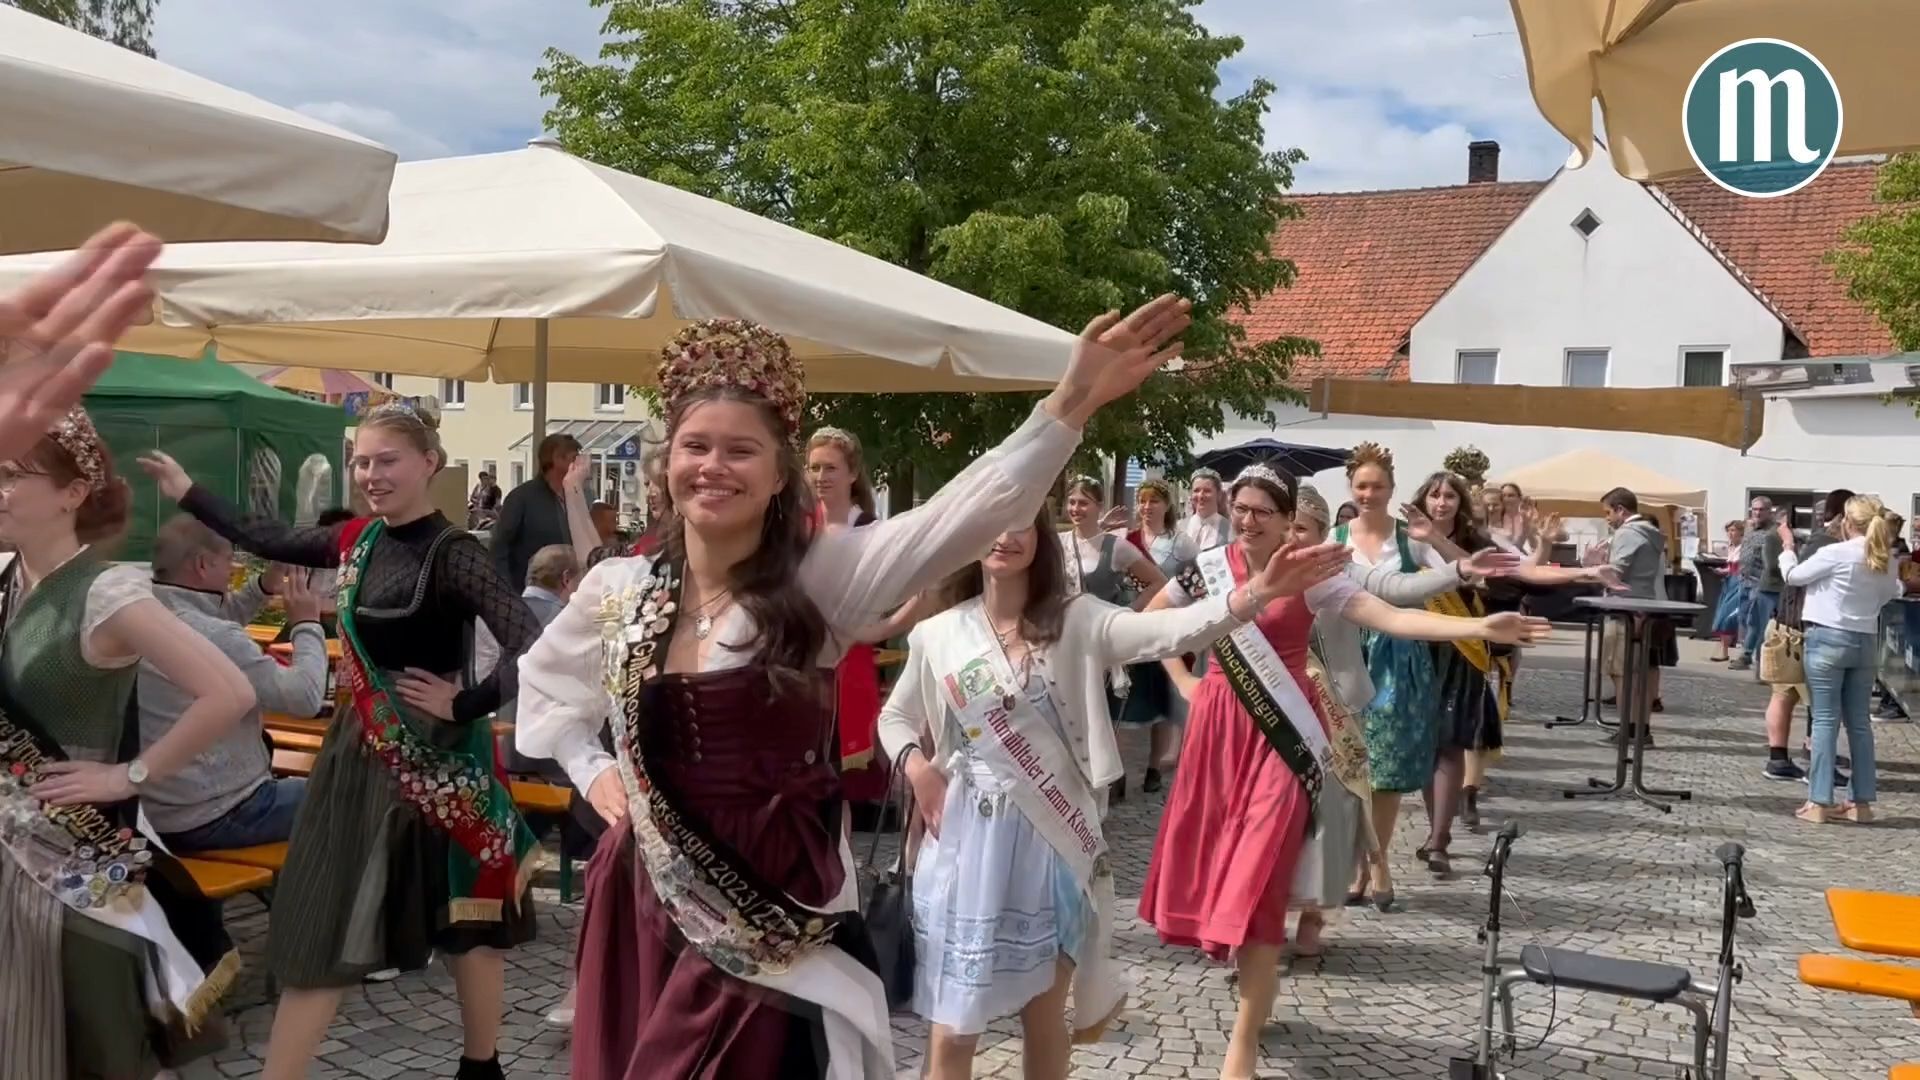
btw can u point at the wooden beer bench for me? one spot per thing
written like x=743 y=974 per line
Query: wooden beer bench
x=1875 y=922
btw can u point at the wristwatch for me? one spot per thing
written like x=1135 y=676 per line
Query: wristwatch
x=136 y=772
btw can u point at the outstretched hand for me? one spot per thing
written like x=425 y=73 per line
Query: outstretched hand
x=1490 y=563
x=57 y=332
x=1419 y=525
x=1115 y=355
x=166 y=473
x=1294 y=568
x=1513 y=628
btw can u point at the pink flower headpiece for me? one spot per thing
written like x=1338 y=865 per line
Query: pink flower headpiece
x=738 y=354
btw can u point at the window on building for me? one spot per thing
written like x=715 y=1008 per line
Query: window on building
x=1703 y=367
x=453 y=393
x=1586 y=224
x=491 y=468
x=523 y=395
x=611 y=396
x=519 y=471
x=1476 y=367
x=1587 y=368
x=383 y=379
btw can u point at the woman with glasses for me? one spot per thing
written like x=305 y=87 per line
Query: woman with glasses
x=1257 y=757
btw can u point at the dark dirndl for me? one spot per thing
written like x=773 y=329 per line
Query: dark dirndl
x=1469 y=717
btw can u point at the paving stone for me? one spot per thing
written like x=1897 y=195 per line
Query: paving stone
x=1396 y=995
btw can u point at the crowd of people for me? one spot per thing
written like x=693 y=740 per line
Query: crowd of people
x=710 y=693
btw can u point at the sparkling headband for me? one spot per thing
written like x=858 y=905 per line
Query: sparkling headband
x=739 y=354
x=75 y=434
x=1156 y=485
x=1310 y=504
x=1261 y=472
x=1203 y=474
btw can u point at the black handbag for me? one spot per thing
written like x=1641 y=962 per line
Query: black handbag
x=888 y=905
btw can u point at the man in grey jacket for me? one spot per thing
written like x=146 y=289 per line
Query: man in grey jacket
x=228 y=797
x=1638 y=553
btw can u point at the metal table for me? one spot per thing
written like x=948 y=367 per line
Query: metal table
x=1591 y=652
x=1621 y=610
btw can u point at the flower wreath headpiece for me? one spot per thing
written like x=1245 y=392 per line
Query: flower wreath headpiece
x=740 y=354
x=76 y=434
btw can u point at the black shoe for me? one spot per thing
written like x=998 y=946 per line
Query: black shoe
x=1152 y=782
x=1783 y=769
x=1842 y=761
x=1609 y=701
x=1659 y=706
x=1470 y=809
x=480 y=1070
x=1840 y=780
x=1117 y=793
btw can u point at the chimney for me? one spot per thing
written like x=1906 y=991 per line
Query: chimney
x=1483 y=162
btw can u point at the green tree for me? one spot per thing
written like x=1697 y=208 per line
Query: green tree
x=1881 y=260
x=127 y=23
x=1060 y=157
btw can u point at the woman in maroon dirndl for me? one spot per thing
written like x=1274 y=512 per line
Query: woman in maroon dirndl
x=720 y=938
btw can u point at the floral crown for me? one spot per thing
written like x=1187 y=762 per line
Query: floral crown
x=75 y=434
x=1310 y=504
x=1157 y=486
x=739 y=354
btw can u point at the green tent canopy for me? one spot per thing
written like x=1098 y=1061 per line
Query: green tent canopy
x=269 y=451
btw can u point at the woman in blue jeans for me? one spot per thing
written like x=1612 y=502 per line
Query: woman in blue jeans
x=1847 y=584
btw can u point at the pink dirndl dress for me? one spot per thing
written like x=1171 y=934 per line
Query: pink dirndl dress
x=1236 y=819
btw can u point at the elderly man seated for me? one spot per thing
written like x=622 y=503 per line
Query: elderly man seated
x=228 y=797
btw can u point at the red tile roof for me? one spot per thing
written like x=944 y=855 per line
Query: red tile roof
x=1778 y=244
x=1370 y=265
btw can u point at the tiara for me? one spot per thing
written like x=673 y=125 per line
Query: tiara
x=1261 y=472
x=1154 y=483
x=832 y=434
x=739 y=354
x=1310 y=504
x=1204 y=473
x=76 y=434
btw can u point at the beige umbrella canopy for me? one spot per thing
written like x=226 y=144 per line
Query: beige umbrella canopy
x=534 y=264
x=91 y=132
x=1635 y=57
x=1572 y=483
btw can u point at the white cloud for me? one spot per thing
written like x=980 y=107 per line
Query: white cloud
x=1379 y=93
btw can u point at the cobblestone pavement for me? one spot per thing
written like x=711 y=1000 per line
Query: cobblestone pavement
x=1396 y=994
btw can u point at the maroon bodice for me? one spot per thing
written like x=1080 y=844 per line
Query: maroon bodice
x=755 y=765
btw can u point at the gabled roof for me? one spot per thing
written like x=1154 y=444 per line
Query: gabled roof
x=1779 y=246
x=1370 y=265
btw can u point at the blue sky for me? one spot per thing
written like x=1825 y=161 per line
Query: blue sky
x=1379 y=93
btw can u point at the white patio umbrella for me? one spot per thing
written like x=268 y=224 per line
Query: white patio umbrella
x=1636 y=57
x=533 y=265
x=91 y=132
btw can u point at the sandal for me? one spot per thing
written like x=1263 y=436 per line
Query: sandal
x=1858 y=813
x=1815 y=814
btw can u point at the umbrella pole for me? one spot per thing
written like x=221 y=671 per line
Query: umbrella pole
x=539 y=381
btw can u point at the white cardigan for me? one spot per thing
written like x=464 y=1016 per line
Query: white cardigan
x=1094 y=637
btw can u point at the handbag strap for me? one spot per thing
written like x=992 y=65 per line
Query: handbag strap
x=900 y=795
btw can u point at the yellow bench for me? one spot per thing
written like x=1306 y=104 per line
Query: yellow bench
x=532 y=796
x=294 y=740
x=222 y=880
x=272 y=857
x=305 y=725
x=292 y=762
x=1909 y=1071
x=1876 y=922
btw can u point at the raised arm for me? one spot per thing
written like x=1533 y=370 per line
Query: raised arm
x=857 y=575
x=1820 y=564
x=586 y=538
x=264 y=536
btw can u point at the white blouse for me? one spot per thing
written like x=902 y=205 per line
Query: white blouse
x=1206 y=532
x=855 y=576
x=1330 y=597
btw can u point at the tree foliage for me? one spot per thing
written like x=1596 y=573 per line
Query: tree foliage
x=1881 y=262
x=127 y=23
x=1059 y=157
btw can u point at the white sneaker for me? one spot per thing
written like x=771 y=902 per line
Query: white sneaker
x=561 y=1017
x=383 y=975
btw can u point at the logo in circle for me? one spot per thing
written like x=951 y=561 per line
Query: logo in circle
x=1762 y=117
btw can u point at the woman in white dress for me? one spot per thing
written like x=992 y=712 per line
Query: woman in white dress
x=718 y=939
x=1001 y=718
x=1207 y=526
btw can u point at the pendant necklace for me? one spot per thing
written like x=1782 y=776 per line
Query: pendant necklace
x=703 y=618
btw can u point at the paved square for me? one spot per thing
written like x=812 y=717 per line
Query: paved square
x=1396 y=994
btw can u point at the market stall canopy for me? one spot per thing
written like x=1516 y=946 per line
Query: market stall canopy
x=329 y=383
x=1636 y=57
x=255 y=445
x=1571 y=484
x=95 y=133
x=1714 y=414
x=493 y=256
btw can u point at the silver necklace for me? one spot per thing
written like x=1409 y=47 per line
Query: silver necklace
x=703 y=618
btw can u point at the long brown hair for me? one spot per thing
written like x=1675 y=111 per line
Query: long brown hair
x=1046 y=609
x=1464 y=534
x=789 y=629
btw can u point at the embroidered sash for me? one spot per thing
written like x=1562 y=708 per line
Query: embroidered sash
x=100 y=868
x=1498 y=669
x=1267 y=690
x=461 y=792
x=740 y=923
x=1001 y=725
